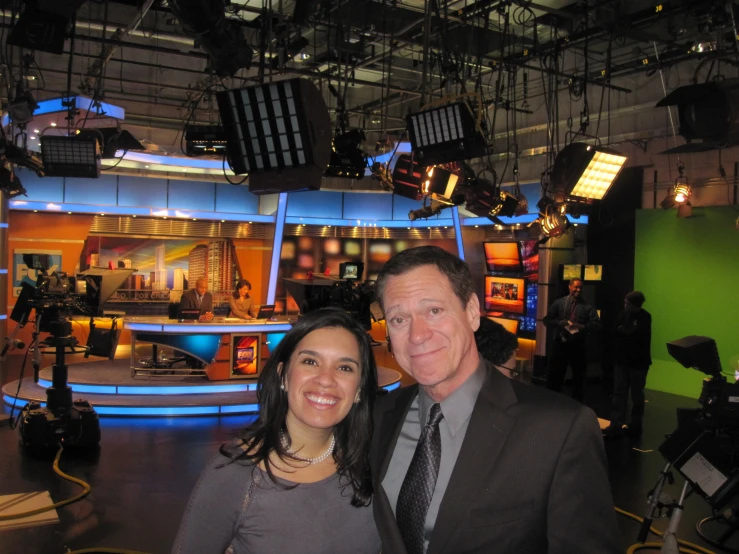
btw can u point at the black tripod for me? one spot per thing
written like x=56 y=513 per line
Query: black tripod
x=73 y=423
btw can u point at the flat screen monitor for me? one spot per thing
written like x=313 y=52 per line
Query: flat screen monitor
x=189 y=315
x=503 y=257
x=571 y=271
x=593 y=272
x=351 y=271
x=266 y=311
x=505 y=294
x=510 y=325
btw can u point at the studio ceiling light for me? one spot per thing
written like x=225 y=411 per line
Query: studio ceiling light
x=75 y=156
x=278 y=133
x=446 y=134
x=585 y=173
x=679 y=194
x=554 y=224
x=440 y=184
x=708 y=115
x=202 y=140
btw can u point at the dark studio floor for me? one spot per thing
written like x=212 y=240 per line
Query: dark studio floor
x=145 y=470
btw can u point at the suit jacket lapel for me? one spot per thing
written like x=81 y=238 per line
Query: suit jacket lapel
x=390 y=427
x=486 y=434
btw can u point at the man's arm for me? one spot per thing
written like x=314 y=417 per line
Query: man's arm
x=580 y=514
x=554 y=315
x=186 y=302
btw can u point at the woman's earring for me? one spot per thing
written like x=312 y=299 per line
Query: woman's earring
x=356 y=398
x=282 y=386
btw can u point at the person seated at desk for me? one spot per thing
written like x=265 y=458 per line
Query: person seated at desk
x=199 y=299
x=241 y=301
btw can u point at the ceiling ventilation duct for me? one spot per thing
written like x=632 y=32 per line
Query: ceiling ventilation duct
x=221 y=38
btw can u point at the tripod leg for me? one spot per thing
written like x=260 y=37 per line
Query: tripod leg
x=670 y=545
x=653 y=501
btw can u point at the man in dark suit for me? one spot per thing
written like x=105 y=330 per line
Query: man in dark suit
x=468 y=460
x=199 y=299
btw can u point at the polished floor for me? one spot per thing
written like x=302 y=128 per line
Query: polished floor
x=144 y=471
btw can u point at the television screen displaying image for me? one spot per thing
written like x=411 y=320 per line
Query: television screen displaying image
x=244 y=356
x=505 y=295
x=503 y=257
x=593 y=272
x=571 y=271
x=511 y=325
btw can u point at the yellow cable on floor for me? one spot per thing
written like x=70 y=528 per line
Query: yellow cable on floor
x=692 y=548
x=85 y=491
x=86 y=488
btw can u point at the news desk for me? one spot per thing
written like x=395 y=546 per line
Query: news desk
x=213 y=343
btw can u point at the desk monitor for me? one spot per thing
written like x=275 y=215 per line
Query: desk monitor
x=266 y=311
x=189 y=315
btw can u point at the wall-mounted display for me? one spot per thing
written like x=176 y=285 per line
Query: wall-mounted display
x=505 y=294
x=593 y=272
x=503 y=257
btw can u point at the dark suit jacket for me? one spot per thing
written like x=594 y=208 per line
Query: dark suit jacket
x=530 y=478
x=189 y=301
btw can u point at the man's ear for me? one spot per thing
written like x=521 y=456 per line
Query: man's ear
x=472 y=310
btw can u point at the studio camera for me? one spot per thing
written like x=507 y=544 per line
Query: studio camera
x=54 y=298
x=705 y=446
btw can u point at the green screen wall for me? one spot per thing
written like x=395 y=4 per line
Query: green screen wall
x=688 y=270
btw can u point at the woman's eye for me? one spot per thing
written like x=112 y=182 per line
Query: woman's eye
x=347 y=368
x=309 y=361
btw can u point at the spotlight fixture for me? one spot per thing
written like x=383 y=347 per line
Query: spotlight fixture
x=347 y=159
x=278 y=133
x=44 y=25
x=440 y=184
x=113 y=139
x=427 y=211
x=446 y=134
x=679 y=194
x=484 y=200
x=708 y=113
x=221 y=38
x=201 y=140
x=554 y=224
x=407 y=176
x=75 y=156
x=585 y=173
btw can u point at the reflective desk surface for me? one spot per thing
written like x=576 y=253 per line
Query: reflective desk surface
x=219 y=325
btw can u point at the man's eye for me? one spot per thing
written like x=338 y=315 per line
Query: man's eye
x=435 y=311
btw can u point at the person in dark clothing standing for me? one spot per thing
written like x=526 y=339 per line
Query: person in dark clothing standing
x=633 y=335
x=572 y=320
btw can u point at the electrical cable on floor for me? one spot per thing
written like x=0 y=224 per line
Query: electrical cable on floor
x=86 y=488
x=691 y=548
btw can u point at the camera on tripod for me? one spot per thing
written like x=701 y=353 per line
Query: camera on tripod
x=705 y=445
x=55 y=297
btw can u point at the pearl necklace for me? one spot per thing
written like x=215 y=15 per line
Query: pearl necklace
x=310 y=461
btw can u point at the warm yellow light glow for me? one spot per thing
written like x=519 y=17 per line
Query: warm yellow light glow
x=598 y=176
x=682 y=192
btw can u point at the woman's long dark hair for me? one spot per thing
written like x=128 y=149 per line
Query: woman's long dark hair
x=352 y=435
x=239 y=285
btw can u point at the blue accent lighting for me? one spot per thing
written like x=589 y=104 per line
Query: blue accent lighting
x=458 y=232
x=277 y=247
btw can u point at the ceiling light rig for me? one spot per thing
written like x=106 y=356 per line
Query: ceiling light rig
x=449 y=133
x=679 y=195
x=584 y=173
x=554 y=222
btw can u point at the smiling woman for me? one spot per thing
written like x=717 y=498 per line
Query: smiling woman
x=305 y=459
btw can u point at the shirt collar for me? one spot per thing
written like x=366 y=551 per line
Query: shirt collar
x=457 y=407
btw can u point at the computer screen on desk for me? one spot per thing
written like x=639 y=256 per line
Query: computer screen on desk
x=266 y=312
x=189 y=315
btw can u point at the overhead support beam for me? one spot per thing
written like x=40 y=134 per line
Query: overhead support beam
x=548 y=71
